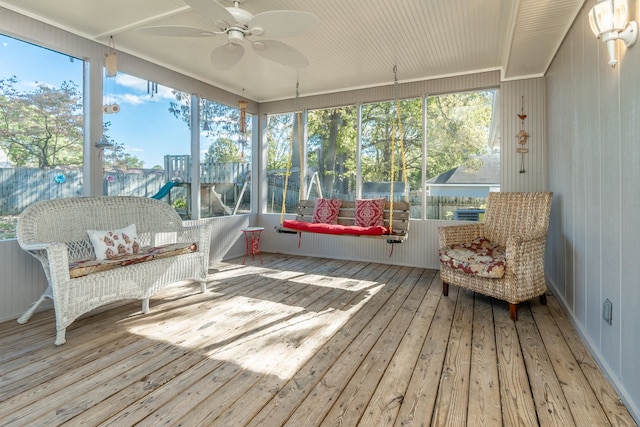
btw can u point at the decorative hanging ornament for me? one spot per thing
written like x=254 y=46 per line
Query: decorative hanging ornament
x=110 y=70
x=243 y=114
x=522 y=137
x=111 y=59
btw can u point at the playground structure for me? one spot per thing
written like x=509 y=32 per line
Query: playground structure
x=223 y=186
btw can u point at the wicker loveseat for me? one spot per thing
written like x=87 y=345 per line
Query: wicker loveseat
x=55 y=232
x=504 y=256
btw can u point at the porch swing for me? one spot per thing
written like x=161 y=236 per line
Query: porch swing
x=381 y=219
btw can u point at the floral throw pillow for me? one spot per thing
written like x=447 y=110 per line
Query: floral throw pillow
x=325 y=211
x=113 y=244
x=370 y=212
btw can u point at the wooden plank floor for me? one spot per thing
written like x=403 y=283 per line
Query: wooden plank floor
x=304 y=341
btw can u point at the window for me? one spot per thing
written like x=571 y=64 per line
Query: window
x=225 y=160
x=41 y=128
x=463 y=154
x=331 y=153
x=381 y=133
x=150 y=141
x=283 y=154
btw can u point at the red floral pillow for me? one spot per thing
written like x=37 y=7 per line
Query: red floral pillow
x=370 y=212
x=326 y=211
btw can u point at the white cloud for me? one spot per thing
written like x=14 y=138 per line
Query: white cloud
x=141 y=89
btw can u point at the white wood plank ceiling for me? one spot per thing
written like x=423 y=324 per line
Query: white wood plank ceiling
x=356 y=43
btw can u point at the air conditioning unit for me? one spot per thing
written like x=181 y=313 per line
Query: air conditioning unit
x=468 y=215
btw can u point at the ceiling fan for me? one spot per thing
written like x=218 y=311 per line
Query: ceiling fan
x=240 y=25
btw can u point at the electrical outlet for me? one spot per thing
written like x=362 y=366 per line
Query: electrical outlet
x=607 y=311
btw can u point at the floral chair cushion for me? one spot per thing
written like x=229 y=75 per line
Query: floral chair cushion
x=479 y=257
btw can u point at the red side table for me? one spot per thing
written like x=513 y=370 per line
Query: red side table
x=252 y=239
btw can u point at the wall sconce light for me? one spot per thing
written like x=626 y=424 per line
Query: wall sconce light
x=608 y=20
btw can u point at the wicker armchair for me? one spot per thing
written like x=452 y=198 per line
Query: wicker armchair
x=512 y=241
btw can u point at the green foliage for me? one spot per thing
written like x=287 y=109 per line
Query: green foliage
x=220 y=125
x=279 y=139
x=41 y=128
x=381 y=133
x=179 y=204
x=331 y=147
x=459 y=126
x=458 y=130
x=223 y=151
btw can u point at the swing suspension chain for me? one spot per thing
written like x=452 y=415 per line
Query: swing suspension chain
x=397 y=127
x=290 y=156
x=286 y=180
x=393 y=149
x=302 y=192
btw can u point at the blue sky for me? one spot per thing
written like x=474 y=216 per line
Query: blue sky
x=144 y=124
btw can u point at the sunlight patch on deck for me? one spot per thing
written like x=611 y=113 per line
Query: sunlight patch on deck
x=258 y=334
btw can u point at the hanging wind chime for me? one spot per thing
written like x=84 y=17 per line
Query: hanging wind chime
x=110 y=71
x=243 y=123
x=522 y=137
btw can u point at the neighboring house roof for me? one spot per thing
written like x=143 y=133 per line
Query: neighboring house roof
x=487 y=173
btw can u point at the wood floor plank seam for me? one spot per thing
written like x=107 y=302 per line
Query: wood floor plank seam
x=304 y=341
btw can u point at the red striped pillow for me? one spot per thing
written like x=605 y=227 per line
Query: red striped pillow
x=326 y=211
x=370 y=212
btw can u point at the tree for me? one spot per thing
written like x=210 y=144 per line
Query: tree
x=381 y=132
x=42 y=128
x=332 y=148
x=115 y=157
x=458 y=130
x=220 y=124
x=223 y=150
x=280 y=128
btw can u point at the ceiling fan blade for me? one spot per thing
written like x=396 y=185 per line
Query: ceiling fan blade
x=279 y=52
x=277 y=24
x=176 y=31
x=213 y=11
x=226 y=56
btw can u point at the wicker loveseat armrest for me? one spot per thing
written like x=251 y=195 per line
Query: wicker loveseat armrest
x=54 y=258
x=199 y=233
x=456 y=234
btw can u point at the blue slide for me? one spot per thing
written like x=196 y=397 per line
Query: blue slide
x=164 y=191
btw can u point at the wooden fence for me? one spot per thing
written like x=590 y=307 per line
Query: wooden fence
x=20 y=187
x=438 y=207
x=178 y=167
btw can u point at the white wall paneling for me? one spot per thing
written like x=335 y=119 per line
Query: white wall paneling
x=593 y=132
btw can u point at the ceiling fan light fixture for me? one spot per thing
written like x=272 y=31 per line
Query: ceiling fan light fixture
x=235 y=36
x=238 y=24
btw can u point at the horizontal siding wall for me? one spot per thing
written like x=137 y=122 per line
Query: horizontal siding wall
x=594 y=153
